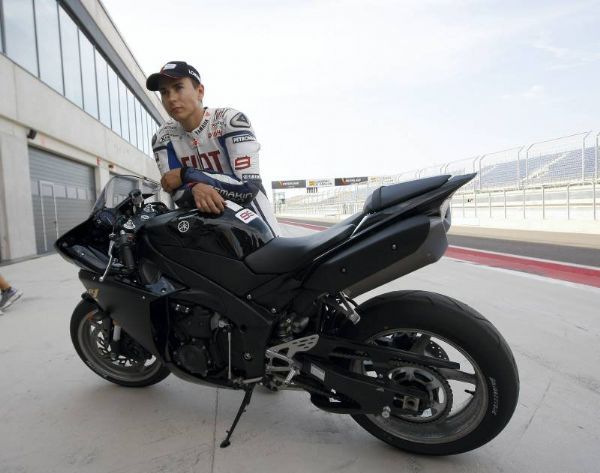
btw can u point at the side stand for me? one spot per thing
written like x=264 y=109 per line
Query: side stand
x=241 y=410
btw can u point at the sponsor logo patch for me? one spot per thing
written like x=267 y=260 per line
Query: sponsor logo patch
x=235 y=195
x=240 y=121
x=243 y=162
x=250 y=177
x=168 y=66
x=201 y=127
x=220 y=113
x=246 y=215
x=241 y=139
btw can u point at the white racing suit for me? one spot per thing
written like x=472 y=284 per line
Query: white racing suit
x=222 y=152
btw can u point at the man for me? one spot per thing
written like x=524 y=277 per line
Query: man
x=205 y=155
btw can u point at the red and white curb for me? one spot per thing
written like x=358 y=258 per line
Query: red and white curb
x=587 y=275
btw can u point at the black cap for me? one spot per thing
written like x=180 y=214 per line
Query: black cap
x=174 y=70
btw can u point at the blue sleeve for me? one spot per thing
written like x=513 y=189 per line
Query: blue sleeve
x=230 y=188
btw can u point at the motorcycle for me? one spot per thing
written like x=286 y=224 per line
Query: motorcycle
x=220 y=300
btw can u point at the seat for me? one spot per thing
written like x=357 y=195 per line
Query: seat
x=283 y=255
x=386 y=196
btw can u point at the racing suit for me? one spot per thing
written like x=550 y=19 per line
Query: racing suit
x=221 y=152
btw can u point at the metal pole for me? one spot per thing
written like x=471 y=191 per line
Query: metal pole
x=527 y=163
x=480 y=175
x=519 y=167
x=583 y=156
x=490 y=202
x=595 y=175
x=543 y=202
x=594 y=198
x=524 y=215
x=504 y=204
x=596 y=153
x=568 y=202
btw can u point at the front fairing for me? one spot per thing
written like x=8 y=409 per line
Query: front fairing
x=85 y=246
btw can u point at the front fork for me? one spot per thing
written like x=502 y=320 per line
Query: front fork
x=114 y=340
x=112 y=332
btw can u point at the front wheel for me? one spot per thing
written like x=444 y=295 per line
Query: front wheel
x=133 y=366
x=466 y=407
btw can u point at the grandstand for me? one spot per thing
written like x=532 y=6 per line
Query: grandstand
x=552 y=179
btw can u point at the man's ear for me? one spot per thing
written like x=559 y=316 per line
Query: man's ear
x=200 y=90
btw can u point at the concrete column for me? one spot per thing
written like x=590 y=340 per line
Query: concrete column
x=17 y=234
x=102 y=176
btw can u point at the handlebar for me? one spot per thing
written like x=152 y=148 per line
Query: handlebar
x=126 y=241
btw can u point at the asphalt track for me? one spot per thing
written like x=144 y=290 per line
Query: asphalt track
x=568 y=263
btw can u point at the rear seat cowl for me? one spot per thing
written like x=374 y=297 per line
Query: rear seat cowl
x=386 y=196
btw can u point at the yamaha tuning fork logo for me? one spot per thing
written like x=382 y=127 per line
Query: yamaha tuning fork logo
x=183 y=226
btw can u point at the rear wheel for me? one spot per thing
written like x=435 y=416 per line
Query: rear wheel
x=133 y=366
x=466 y=407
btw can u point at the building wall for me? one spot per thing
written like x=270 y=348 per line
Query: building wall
x=62 y=128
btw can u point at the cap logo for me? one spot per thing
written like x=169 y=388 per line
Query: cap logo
x=169 y=66
x=194 y=74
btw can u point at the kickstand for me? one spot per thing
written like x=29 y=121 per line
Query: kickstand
x=241 y=410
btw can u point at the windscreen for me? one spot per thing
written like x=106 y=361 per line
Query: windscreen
x=119 y=187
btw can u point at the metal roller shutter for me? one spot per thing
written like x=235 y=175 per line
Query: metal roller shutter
x=63 y=194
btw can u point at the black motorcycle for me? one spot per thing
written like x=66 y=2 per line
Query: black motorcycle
x=218 y=300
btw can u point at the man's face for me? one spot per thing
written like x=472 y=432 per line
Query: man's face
x=180 y=98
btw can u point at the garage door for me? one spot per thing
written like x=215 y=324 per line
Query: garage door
x=63 y=191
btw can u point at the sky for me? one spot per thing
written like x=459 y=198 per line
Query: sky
x=341 y=88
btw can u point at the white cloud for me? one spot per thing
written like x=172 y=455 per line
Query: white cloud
x=566 y=58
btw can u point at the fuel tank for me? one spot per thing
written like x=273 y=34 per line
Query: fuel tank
x=234 y=234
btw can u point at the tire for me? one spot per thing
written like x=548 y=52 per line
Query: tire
x=488 y=406
x=143 y=370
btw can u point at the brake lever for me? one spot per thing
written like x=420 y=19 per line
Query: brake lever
x=111 y=257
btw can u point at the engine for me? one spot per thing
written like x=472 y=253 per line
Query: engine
x=194 y=338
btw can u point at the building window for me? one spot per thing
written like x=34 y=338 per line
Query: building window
x=103 y=94
x=48 y=42
x=88 y=75
x=124 y=114
x=70 y=55
x=149 y=128
x=115 y=110
x=139 y=120
x=20 y=33
x=131 y=110
x=145 y=131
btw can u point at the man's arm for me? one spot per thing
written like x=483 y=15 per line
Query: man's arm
x=242 y=148
x=203 y=197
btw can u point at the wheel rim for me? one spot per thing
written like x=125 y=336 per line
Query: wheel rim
x=465 y=407
x=92 y=336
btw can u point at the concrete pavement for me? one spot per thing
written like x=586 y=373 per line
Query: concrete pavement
x=58 y=416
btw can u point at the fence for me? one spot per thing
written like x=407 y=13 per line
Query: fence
x=553 y=179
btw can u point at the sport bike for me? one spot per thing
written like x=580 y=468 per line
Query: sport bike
x=220 y=300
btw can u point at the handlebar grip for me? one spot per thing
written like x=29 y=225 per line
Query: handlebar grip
x=127 y=257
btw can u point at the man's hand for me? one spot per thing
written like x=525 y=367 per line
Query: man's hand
x=207 y=198
x=171 y=180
